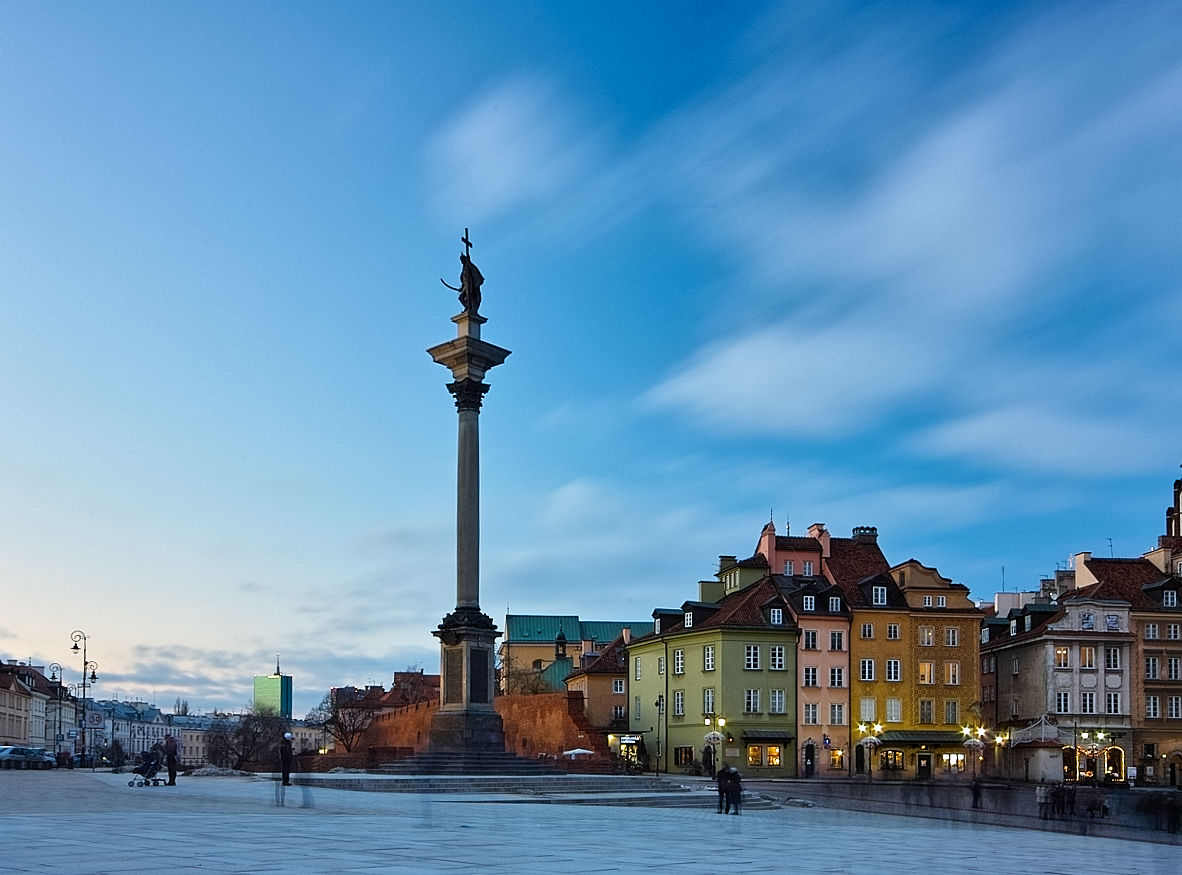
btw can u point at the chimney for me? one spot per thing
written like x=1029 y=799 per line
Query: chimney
x=820 y=533
x=627 y=633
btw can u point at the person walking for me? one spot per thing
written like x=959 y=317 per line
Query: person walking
x=170 y=758
x=723 y=778
x=734 y=789
x=975 y=786
x=1070 y=799
x=285 y=755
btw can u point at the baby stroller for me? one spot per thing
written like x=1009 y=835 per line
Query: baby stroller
x=147 y=769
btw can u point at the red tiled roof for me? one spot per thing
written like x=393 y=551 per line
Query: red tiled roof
x=608 y=661
x=743 y=608
x=851 y=561
x=1124 y=580
x=801 y=545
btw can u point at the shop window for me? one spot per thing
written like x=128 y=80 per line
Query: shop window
x=952 y=762
x=837 y=759
x=891 y=760
x=754 y=755
x=773 y=755
x=683 y=756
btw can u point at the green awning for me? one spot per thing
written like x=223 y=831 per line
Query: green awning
x=768 y=734
x=922 y=736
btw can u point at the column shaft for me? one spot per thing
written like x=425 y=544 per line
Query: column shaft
x=468 y=511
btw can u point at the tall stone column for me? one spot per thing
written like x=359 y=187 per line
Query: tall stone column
x=467 y=720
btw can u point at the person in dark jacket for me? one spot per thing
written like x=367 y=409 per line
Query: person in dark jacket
x=285 y=755
x=723 y=780
x=734 y=789
x=170 y=758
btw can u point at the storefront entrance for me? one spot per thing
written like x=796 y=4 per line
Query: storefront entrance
x=923 y=765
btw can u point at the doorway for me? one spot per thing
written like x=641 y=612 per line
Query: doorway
x=810 y=759
x=923 y=767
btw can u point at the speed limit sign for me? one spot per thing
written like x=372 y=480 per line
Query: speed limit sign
x=94 y=719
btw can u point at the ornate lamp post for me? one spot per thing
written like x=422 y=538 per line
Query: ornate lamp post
x=715 y=736
x=870 y=743
x=55 y=669
x=1093 y=746
x=660 y=706
x=974 y=743
x=79 y=637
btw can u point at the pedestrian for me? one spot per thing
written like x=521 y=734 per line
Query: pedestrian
x=1058 y=797
x=708 y=759
x=734 y=789
x=1042 y=795
x=723 y=778
x=285 y=755
x=1173 y=813
x=1070 y=799
x=975 y=786
x=170 y=758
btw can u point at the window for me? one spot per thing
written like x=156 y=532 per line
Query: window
x=1014 y=666
x=1087 y=621
x=1087 y=657
x=1169 y=598
x=941 y=601
x=1172 y=669
x=1112 y=703
x=808 y=639
x=773 y=755
x=951 y=711
x=927 y=601
x=927 y=673
x=878 y=595
x=708 y=700
x=776 y=702
x=755 y=755
x=837 y=714
x=1013 y=627
x=708 y=658
x=776 y=657
x=837 y=641
x=808 y=568
x=679 y=661
x=1151 y=630
x=866 y=709
x=867 y=630
x=1174 y=707
x=1062 y=703
x=893 y=672
x=1062 y=658
x=789 y=567
x=952 y=762
x=1014 y=708
x=1112 y=658
x=1151 y=711
x=810 y=715
x=619 y=712
x=751 y=658
x=894 y=710
x=834 y=604
x=751 y=702
x=927 y=711
x=660 y=665
x=618 y=686
x=1087 y=703
x=809 y=603
x=636 y=708
x=866 y=670
x=776 y=616
x=1112 y=622
x=952 y=674
x=837 y=677
x=951 y=636
x=689 y=619
x=1172 y=631
x=892 y=631
x=679 y=703
x=1151 y=668
x=810 y=676
x=1029 y=620
x=638 y=668
x=683 y=756
x=927 y=636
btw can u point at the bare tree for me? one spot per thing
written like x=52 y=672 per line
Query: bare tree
x=249 y=739
x=181 y=706
x=516 y=678
x=345 y=712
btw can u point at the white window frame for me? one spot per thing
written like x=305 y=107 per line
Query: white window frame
x=776 y=702
x=834 y=604
x=810 y=715
x=708 y=657
x=866 y=670
x=867 y=631
x=638 y=670
x=837 y=677
x=808 y=603
x=618 y=687
x=776 y=616
x=1062 y=703
x=679 y=703
x=708 y=700
x=777 y=657
x=951 y=636
x=1087 y=703
x=807 y=568
x=688 y=619
x=894 y=710
x=892 y=631
x=837 y=714
x=751 y=701
x=751 y=657
x=1152 y=708
x=1169 y=598
x=1112 y=703
x=809 y=676
x=679 y=661
x=894 y=670
x=878 y=595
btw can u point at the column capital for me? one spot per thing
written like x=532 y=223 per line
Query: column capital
x=469 y=394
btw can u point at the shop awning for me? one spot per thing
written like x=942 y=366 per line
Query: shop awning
x=768 y=735
x=922 y=736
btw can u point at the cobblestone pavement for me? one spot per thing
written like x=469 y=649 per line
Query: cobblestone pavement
x=81 y=822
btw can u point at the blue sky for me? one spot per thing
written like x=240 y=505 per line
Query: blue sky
x=913 y=266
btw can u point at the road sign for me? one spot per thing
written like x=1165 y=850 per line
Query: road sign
x=95 y=719
x=73 y=733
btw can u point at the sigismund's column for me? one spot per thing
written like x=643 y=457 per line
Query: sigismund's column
x=466 y=719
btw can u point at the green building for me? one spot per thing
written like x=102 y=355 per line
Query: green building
x=273 y=692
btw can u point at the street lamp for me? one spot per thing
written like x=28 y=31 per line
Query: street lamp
x=660 y=706
x=55 y=669
x=974 y=742
x=1093 y=748
x=715 y=736
x=870 y=743
x=87 y=665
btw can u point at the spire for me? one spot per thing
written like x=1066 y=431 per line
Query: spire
x=277 y=664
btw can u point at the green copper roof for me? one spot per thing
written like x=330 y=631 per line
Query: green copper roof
x=520 y=628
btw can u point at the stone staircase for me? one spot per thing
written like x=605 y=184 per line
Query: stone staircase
x=467 y=764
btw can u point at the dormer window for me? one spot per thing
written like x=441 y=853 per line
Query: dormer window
x=1028 y=619
x=834 y=604
x=689 y=619
x=1013 y=627
x=927 y=601
x=809 y=603
x=941 y=601
x=878 y=595
x=1169 y=598
x=776 y=616
x=657 y=626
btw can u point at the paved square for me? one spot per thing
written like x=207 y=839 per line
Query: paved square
x=78 y=822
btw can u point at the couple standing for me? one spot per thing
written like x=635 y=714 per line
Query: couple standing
x=730 y=790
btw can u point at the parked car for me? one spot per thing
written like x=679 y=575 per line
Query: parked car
x=47 y=755
x=13 y=757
